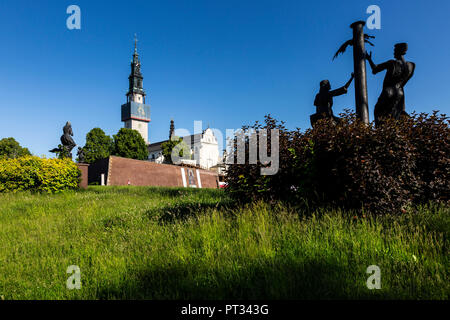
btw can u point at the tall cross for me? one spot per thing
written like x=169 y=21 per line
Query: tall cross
x=135 y=42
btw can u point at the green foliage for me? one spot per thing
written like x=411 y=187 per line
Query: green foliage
x=38 y=174
x=126 y=249
x=10 y=148
x=179 y=145
x=128 y=143
x=353 y=165
x=98 y=145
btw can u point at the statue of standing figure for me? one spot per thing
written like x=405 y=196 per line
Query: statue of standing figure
x=391 y=102
x=65 y=150
x=324 y=101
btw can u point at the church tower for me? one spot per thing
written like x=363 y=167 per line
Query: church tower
x=135 y=113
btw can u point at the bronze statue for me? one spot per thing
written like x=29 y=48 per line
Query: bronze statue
x=65 y=150
x=324 y=100
x=81 y=155
x=391 y=102
x=66 y=138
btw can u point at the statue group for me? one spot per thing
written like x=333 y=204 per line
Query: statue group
x=391 y=102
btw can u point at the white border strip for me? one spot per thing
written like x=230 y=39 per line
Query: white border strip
x=183 y=176
x=198 y=178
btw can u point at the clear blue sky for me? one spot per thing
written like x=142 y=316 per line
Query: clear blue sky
x=227 y=63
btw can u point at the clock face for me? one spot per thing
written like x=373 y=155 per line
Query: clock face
x=141 y=111
x=135 y=109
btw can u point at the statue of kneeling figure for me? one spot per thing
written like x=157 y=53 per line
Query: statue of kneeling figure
x=324 y=101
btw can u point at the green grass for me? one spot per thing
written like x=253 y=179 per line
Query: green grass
x=170 y=243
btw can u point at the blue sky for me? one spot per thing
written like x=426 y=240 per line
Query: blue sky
x=227 y=63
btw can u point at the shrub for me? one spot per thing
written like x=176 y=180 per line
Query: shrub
x=354 y=165
x=38 y=174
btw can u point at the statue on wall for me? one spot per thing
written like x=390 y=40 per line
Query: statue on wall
x=65 y=149
x=324 y=100
x=391 y=102
x=81 y=155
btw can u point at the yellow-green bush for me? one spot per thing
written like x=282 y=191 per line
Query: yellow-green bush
x=38 y=174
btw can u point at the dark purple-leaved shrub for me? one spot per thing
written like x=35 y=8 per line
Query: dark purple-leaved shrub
x=353 y=165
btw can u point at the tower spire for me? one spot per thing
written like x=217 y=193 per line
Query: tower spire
x=135 y=54
x=135 y=78
x=172 y=129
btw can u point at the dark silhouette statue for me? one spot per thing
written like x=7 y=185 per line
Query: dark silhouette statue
x=391 y=102
x=81 y=155
x=324 y=101
x=65 y=150
x=66 y=138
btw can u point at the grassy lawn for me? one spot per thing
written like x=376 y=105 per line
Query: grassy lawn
x=169 y=243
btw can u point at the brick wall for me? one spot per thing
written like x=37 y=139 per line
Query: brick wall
x=84 y=174
x=124 y=171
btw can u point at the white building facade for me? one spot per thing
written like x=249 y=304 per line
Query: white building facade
x=204 y=149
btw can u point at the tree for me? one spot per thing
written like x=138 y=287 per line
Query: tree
x=181 y=146
x=129 y=143
x=98 y=145
x=10 y=148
